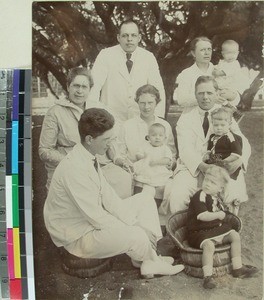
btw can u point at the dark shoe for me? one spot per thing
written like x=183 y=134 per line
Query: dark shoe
x=244 y=272
x=209 y=282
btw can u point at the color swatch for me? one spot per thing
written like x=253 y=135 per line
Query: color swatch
x=16 y=250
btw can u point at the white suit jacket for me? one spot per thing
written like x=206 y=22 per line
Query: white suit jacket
x=116 y=87
x=80 y=200
x=193 y=144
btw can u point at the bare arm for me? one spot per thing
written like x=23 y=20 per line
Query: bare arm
x=160 y=162
x=211 y=216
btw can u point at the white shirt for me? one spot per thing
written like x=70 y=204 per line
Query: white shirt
x=184 y=94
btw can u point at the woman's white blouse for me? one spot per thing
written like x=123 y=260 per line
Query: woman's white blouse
x=184 y=94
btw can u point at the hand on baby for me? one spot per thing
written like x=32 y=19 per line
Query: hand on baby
x=128 y=166
x=170 y=165
x=227 y=94
x=206 y=156
x=232 y=163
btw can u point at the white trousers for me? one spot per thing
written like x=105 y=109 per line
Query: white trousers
x=178 y=191
x=120 y=238
x=119 y=179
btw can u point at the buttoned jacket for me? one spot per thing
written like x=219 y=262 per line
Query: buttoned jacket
x=116 y=87
x=80 y=200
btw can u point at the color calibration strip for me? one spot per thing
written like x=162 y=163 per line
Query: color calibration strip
x=16 y=250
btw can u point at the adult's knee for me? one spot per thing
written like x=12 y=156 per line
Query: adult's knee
x=182 y=188
x=137 y=235
x=179 y=199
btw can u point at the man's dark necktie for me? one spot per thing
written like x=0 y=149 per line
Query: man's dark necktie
x=96 y=164
x=206 y=123
x=129 y=62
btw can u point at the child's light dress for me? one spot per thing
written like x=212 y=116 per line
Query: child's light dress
x=153 y=175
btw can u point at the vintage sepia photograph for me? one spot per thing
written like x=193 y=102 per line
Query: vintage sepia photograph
x=147 y=149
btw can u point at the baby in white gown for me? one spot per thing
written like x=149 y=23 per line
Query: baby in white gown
x=154 y=158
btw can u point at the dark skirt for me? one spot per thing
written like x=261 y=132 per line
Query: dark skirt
x=196 y=237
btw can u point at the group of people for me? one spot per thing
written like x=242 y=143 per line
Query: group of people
x=108 y=140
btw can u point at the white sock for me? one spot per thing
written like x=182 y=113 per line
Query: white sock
x=207 y=270
x=236 y=262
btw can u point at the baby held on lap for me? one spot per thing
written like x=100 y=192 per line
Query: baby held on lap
x=154 y=159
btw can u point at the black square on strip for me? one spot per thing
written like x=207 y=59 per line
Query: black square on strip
x=22 y=237
x=21 y=220
x=21 y=104
x=21 y=126
x=21 y=80
x=20 y=149
x=23 y=260
x=21 y=173
x=21 y=197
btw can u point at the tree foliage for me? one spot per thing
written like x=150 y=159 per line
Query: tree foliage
x=69 y=34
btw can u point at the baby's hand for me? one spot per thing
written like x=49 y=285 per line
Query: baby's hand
x=206 y=156
x=140 y=155
x=228 y=94
x=221 y=215
x=128 y=166
x=236 y=202
x=221 y=100
x=170 y=165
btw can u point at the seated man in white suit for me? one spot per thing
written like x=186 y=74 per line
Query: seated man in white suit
x=84 y=215
x=193 y=131
x=120 y=70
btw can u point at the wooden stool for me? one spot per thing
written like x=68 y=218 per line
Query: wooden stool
x=83 y=267
x=191 y=257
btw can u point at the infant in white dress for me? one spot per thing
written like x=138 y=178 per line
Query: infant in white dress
x=154 y=158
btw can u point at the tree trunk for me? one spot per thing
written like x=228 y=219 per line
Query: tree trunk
x=249 y=94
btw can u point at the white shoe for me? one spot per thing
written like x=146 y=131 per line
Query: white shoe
x=149 y=269
x=167 y=259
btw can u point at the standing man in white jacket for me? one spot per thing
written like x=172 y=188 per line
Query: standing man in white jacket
x=120 y=70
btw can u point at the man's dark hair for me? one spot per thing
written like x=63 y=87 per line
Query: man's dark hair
x=94 y=122
x=148 y=89
x=205 y=79
x=79 y=71
x=128 y=21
